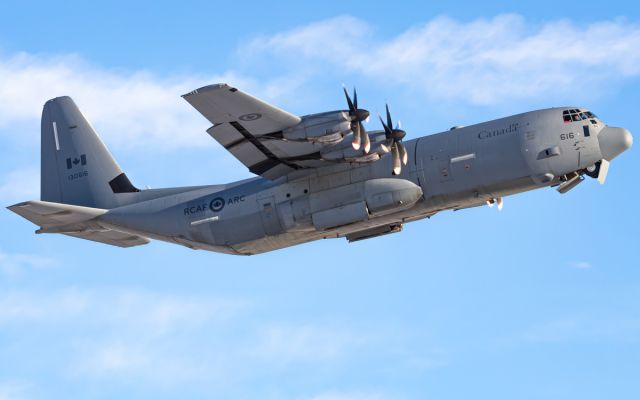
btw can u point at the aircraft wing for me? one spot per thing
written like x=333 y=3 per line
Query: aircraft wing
x=76 y=221
x=222 y=103
x=251 y=130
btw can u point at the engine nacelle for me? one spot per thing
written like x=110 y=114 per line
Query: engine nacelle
x=327 y=128
x=344 y=151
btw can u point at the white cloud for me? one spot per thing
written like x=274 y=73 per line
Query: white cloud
x=591 y=327
x=155 y=314
x=485 y=61
x=20 y=306
x=12 y=264
x=129 y=109
x=121 y=334
x=162 y=342
x=13 y=390
x=20 y=185
x=554 y=331
x=285 y=344
x=581 y=264
x=151 y=361
x=161 y=314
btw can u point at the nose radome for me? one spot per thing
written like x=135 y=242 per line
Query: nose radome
x=614 y=141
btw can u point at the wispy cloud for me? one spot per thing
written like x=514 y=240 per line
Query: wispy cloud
x=13 y=390
x=20 y=306
x=13 y=264
x=19 y=185
x=305 y=343
x=580 y=328
x=163 y=340
x=485 y=61
x=155 y=314
x=150 y=362
x=121 y=334
x=128 y=108
x=581 y=264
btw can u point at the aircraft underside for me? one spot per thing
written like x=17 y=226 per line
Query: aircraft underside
x=320 y=176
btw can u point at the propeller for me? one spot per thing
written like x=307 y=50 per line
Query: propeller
x=497 y=201
x=394 y=144
x=357 y=115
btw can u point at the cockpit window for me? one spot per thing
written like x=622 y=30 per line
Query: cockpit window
x=575 y=115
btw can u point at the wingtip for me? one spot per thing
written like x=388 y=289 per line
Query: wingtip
x=18 y=205
x=215 y=86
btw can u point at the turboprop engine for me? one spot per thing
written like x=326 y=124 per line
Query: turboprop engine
x=344 y=151
x=326 y=128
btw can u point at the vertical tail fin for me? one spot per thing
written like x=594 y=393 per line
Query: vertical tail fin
x=76 y=167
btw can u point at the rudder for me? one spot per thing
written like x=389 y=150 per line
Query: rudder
x=76 y=166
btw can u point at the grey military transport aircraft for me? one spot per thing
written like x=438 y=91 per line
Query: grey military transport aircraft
x=320 y=175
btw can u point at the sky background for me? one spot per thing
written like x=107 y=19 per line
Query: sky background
x=538 y=301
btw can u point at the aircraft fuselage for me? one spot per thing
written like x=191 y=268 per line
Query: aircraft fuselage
x=461 y=168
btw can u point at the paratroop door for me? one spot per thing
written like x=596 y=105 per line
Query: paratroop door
x=269 y=215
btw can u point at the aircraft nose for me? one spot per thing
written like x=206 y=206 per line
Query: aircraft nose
x=614 y=141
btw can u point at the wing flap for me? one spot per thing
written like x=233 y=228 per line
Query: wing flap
x=252 y=130
x=249 y=150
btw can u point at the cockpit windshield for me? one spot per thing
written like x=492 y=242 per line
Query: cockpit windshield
x=574 y=115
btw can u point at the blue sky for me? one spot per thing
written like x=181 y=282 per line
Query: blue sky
x=537 y=301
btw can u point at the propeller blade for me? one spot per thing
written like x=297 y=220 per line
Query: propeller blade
x=389 y=122
x=365 y=138
x=357 y=139
x=490 y=203
x=604 y=169
x=387 y=131
x=386 y=145
x=500 y=203
x=397 y=164
x=352 y=108
x=403 y=153
x=399 y=125
x=355 y=99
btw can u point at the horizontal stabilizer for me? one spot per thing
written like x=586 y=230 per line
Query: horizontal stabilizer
x=76 y=221
x=112 y=237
